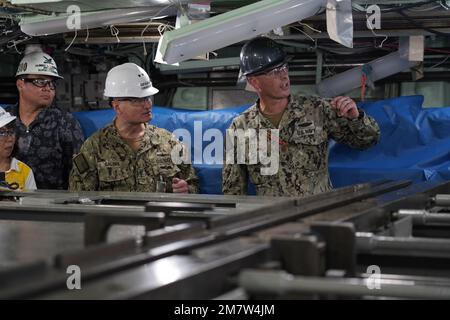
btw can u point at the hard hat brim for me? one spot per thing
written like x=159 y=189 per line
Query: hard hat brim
x=6 y=120
x=269 y=67
x=40 y=74
x=145 y=93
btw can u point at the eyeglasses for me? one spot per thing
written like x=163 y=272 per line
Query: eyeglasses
x=136 y=101
x=41 y=83
x=9 y=133
x=275 y=72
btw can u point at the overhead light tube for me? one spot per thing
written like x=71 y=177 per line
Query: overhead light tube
x=232 y=27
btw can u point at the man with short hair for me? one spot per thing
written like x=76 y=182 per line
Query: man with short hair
x=304 y=126
x=129 y=154
x=47 y=137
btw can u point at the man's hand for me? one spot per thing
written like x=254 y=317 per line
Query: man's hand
x=179 y=186
x=345 y=107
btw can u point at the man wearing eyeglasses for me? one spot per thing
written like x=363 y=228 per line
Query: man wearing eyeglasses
x=303 y=126
x=14 y=174
x=47 y=137
x=129 y=154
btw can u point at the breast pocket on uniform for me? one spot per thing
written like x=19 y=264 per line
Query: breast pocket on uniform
x=165 y=166
x=111 y=173
x=310 y=148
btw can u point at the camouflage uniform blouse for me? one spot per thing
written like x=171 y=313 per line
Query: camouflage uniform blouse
x=107 y=163
x=305 y=127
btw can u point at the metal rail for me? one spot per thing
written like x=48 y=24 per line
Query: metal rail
x=276 y=282
x=203 y=247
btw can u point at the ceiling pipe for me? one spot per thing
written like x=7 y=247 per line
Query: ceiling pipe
x=383 y=67
x=89 y=20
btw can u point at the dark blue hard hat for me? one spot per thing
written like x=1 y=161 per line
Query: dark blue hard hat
x=261 y=54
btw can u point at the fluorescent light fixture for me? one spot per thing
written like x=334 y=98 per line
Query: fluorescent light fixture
x=87 y=2
x=22 y=2
x=340 y=21
x=351 y=79
x=231 y=27
x=92 y=20
x=200 y=66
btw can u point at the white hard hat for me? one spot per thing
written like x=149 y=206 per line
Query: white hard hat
x=5 y=117
x=128 y=80
x=38 y=63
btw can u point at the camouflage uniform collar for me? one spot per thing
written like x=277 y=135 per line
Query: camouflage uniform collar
x=294 y=110
x=111 y=131
x=150 y=139
x=151 y=136
x=256 y=118
x=252 y=115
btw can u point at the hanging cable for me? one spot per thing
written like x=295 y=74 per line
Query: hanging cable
x=87 y=34
x=76 y=34
x=439 y=63
x=308 y=26
x=376 y=34
x=307 y=35
x=15 y=47
x=418 y=25
x=14 y=43
x=407 y=6
x=445 y=6
x=425 y=9
x=115 y=32
x=149 y=23
x=163 y=27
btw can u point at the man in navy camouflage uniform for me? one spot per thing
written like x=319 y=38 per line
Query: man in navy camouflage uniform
x=129 y=154
x=305 y=125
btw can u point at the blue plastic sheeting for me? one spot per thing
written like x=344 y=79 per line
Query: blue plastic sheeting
x=195 y=122
x=167 y=118
x=414 y=143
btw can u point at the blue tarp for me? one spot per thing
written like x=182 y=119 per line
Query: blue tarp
x=210 y=175
x=167 y=118
x=414 y=143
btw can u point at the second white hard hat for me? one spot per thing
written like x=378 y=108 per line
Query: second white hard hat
x=5 y=117
x=128 y=80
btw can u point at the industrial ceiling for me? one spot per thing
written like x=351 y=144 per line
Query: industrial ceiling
x=399 y=18
x=134 y=27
